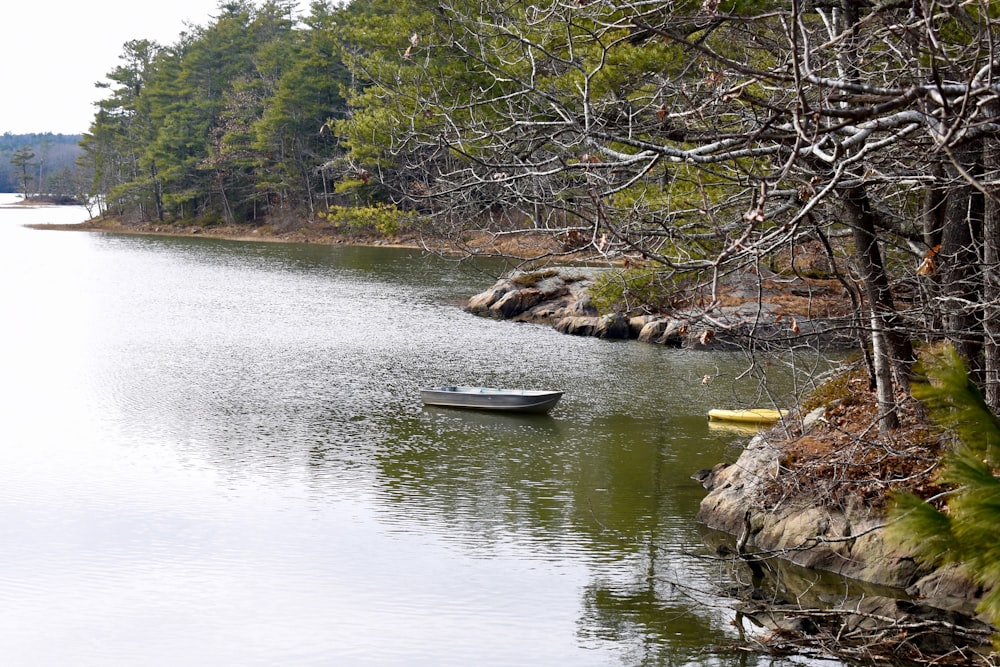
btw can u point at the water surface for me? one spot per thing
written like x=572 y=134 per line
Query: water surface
x=213 y=453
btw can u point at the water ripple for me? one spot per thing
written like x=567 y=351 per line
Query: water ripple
x=215 y=454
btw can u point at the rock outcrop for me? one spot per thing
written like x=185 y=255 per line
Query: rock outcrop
x=848 y=541
x=775 y=316
x=844 y=538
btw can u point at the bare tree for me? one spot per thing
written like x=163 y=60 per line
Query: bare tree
x=702 y=141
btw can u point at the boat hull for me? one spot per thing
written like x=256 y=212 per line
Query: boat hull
x=488 y=398
x=752 y=416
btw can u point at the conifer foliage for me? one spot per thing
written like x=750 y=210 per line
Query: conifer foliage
x=225 y=125
x=963 y=527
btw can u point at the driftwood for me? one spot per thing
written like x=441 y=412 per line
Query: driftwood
x=874 y=630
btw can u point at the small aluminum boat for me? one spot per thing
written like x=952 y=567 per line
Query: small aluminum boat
x=488 y=398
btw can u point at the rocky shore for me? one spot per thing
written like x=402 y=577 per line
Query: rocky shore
x=925 y=615
x=768 y=310
x=764 y=501
x=846 y=540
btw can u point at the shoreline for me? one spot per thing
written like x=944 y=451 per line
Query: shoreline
x=260 y=234
x=528 y=247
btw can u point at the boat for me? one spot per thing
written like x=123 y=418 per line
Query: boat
x=762 y=416
x=488 y=398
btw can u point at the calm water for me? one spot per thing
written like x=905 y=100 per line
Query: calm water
x=213 y=453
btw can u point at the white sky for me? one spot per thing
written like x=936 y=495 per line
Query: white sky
x=52 y=52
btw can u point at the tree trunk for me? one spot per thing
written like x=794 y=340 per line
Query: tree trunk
x=932 y=217
x=991 y=267
x=891 y=348
x=961 y=288
x=157 y=191
x=888 y=417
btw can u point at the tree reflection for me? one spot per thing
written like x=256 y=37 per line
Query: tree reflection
x=614 y=494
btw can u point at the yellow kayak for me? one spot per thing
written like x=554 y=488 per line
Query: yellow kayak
x=751 y=416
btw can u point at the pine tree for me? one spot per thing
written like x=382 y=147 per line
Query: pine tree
x=964 y=530
x=22 y=160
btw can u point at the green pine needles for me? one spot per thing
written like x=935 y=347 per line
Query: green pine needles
x=964 y=528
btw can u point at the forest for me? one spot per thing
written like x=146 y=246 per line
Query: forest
x=685 y=140
x=49 y=165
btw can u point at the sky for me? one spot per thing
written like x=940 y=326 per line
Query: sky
x=52 y=52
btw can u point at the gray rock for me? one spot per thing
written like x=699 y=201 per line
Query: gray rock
x=481 y=303
x=515 y=302
x=614 y=326
x=637 y=324
x=577 y=326
x=673 y=333
x=583 y=307
x=812 y=418
x=652 y=330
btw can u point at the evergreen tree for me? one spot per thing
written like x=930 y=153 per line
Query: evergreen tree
x=292 y=130
x=22 y=160
x=120 y=132
x=963 y=526
x=227 y=123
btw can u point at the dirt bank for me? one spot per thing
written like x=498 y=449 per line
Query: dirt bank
x=526 y=246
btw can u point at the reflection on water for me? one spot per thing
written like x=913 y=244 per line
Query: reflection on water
x=215 y=453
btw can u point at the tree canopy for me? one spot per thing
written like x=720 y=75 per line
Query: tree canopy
x=228 y=123
x=703 y=138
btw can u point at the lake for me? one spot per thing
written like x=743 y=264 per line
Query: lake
x=214 y=453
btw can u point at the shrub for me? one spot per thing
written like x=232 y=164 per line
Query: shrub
x=961 y=526
x=384 y=219
x=848 y=386
x=632 y=290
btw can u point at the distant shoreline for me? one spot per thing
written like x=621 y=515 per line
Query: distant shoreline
x=263 y=234
x=526 y=247
x=43 y=200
